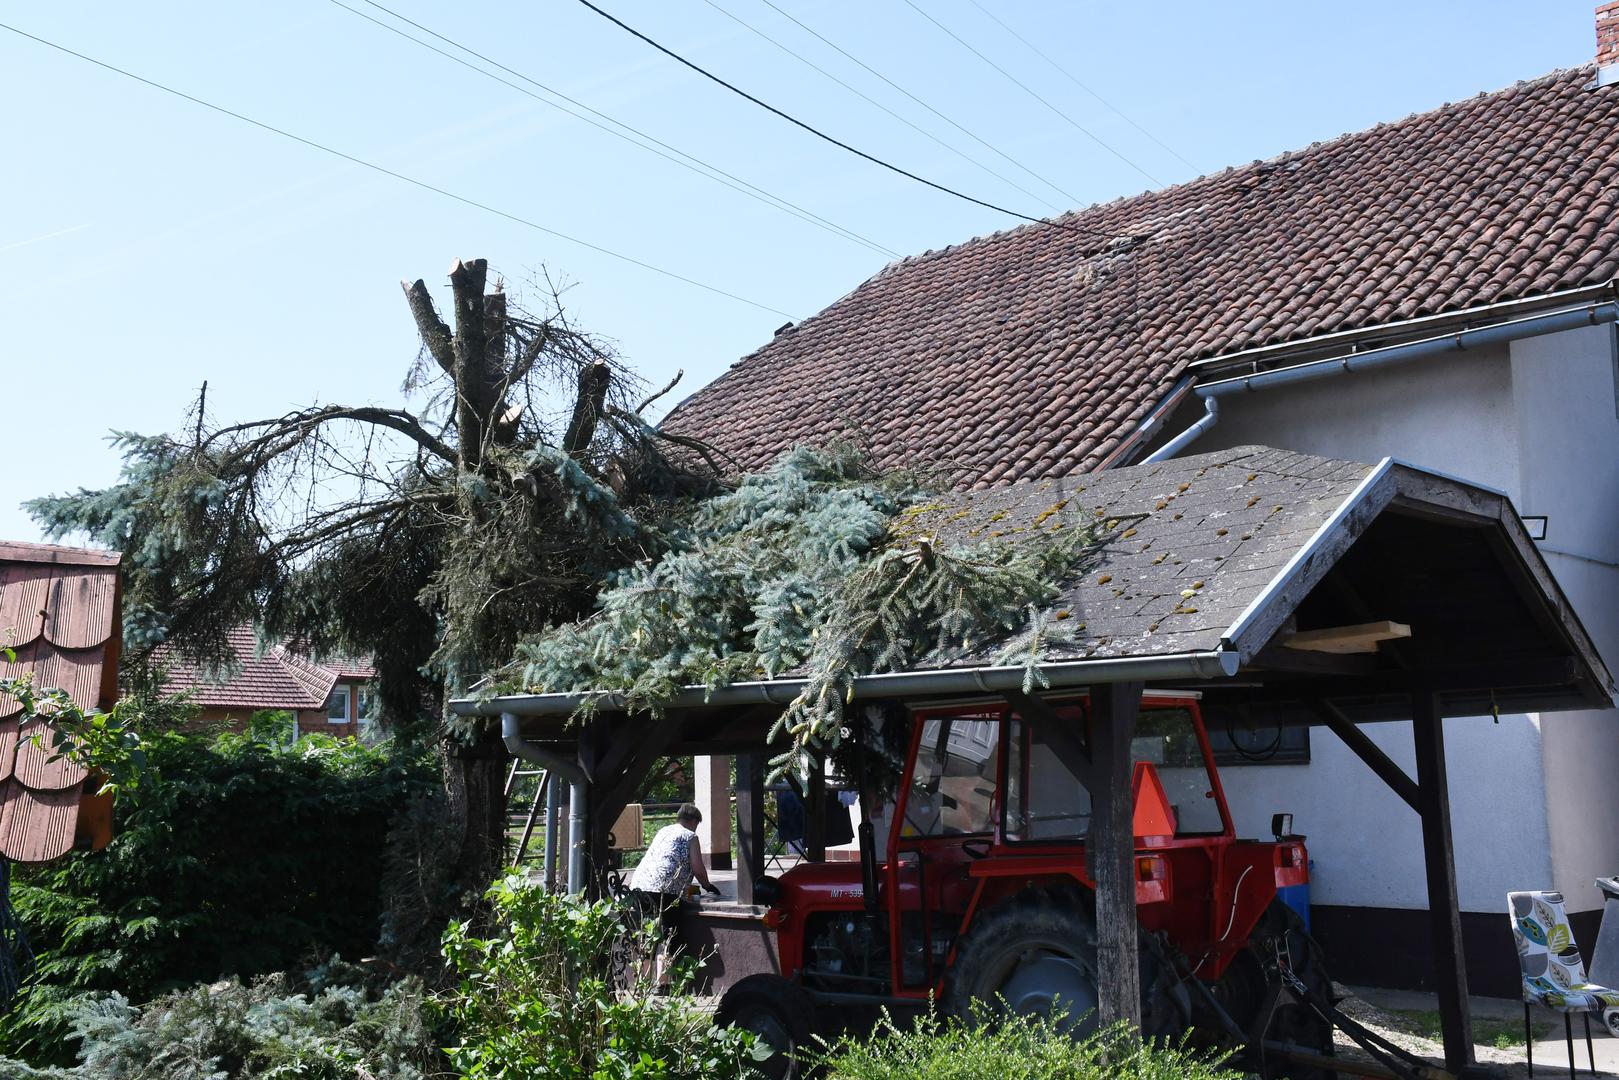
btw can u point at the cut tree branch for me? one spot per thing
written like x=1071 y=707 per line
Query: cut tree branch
x=587 y=408
x=641 y=408
x=435 y=335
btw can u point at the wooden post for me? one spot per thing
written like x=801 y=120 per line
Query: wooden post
x=1444 y=917
x=1110 y=851
x=750 y=824
x=815 y=812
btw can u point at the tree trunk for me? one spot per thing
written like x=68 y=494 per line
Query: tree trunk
x=475 y=786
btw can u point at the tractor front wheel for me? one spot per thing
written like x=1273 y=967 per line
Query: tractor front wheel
x=779 y=1013
x=1035 y=955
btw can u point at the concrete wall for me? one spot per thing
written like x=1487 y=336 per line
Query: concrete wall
x=1537 y=420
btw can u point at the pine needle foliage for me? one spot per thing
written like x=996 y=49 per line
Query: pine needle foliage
x=811 y=568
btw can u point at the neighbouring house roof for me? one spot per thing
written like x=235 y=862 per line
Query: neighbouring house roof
x=59 y=614
x=1037 y=352
x=1266 y=542
x=272 y=678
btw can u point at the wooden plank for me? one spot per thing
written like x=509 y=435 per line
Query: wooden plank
x=1444 y=910
x=1111 y=852
x=1359 y=638
x=1380 y=763
x=750 y=824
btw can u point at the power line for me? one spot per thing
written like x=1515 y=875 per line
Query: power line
x=690 y=162
x=1025 y=88
x=816 y=131
x=1073 y=199
x=424 y=185
x=1075 y=80
x=874 y=102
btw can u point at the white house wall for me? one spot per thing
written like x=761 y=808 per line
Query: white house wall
x=1528 y=420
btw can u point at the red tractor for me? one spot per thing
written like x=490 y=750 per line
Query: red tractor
x=981 y=892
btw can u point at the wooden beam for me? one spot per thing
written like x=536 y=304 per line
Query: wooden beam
x=1380 y=763
x=1110 y=850
x=1360 y=638
x=1538 y=672
x=1300 y=662
x=1439 y=859
x=1059 y=735
x=750 y=824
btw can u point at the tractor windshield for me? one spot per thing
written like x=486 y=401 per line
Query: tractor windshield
x=1045 y=800
x=953 y=782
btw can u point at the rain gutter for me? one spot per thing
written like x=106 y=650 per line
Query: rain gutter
x=1592 y=314
x=1211 y=664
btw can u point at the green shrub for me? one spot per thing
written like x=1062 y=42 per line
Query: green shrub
x=242 y=858
x=539 y=999
x=1027 y=1048
x=265 y=1029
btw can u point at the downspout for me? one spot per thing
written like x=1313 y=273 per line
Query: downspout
x=1592 y=314
x=560 y=767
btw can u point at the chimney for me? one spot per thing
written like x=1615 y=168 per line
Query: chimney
x=1608 y=43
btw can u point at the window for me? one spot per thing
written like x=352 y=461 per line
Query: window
x=954 y=783
x=1269 y=734
x=365 y=701
x=337 y=706
x=1167 y=739
x=1044 y=798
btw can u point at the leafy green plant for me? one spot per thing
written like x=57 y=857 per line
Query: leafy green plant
x=318 y=1030
x=1029 y=1048
x=247 y=858
x=540 y=999
x=103 y=743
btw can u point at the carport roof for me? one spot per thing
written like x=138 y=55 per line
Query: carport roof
x=1266 y=542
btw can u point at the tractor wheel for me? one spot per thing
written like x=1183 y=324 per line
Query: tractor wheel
x=779 y=1012
x=1281 y=932
x=1035 y=955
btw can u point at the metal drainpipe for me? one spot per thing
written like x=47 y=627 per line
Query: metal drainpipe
x=1549 y=323
x=553 y=821
x=559 y=766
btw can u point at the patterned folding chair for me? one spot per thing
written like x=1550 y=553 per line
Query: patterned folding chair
x=1553 y=971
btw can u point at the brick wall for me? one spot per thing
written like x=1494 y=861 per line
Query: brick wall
x=1608 y=34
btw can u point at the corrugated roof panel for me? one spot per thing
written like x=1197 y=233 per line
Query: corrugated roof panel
x=79 y=614
x=23 y=591
x=37 y=826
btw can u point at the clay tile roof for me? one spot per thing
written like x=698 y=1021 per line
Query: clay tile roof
x=59 y=615
x=1037 y=351
x=272 y=678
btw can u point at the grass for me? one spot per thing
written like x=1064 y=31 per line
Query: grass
x=1503 y=1034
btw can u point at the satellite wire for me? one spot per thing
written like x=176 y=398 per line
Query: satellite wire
x=1025 y=88
x=816 y=131
x=691 y=162
x=424 y=185
x=874 y=102
x=1072 y=198
x=1075 y=80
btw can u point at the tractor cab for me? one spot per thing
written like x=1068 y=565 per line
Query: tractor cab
x=979 y=887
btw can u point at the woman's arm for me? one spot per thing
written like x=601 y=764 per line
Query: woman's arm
x=699 y=868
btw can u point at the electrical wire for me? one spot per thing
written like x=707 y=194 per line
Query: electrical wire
x=1097 y=139
x=690 y=162
x=424 y=185
x=862 y=95
x=795 y=121
x=996 y=19
x=1073 y=200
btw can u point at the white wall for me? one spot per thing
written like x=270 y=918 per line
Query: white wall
x=1567 y=400
x=1528 y=420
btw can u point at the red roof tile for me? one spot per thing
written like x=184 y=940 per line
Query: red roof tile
x=59 y=615
x=274 y=678
x=1036 y=352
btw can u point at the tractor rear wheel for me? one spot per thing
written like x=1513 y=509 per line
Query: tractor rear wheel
x=780 y=1013
x=1035 y=955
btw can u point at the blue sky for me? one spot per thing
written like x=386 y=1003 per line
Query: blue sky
x=147 y=244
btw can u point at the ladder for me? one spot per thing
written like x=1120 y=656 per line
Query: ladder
x=514 y=781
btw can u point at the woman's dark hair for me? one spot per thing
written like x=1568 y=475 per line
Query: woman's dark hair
x=689 y=812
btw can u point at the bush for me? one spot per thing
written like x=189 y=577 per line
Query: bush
x=330 y=1032
x=1029 y=1048
x=243 y=858
x=539 y=999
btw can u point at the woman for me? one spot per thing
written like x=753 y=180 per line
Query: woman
x=664 y=873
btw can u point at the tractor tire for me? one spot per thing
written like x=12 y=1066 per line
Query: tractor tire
x=779 y=1012
x=1035 y=953
x=1245 y=983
